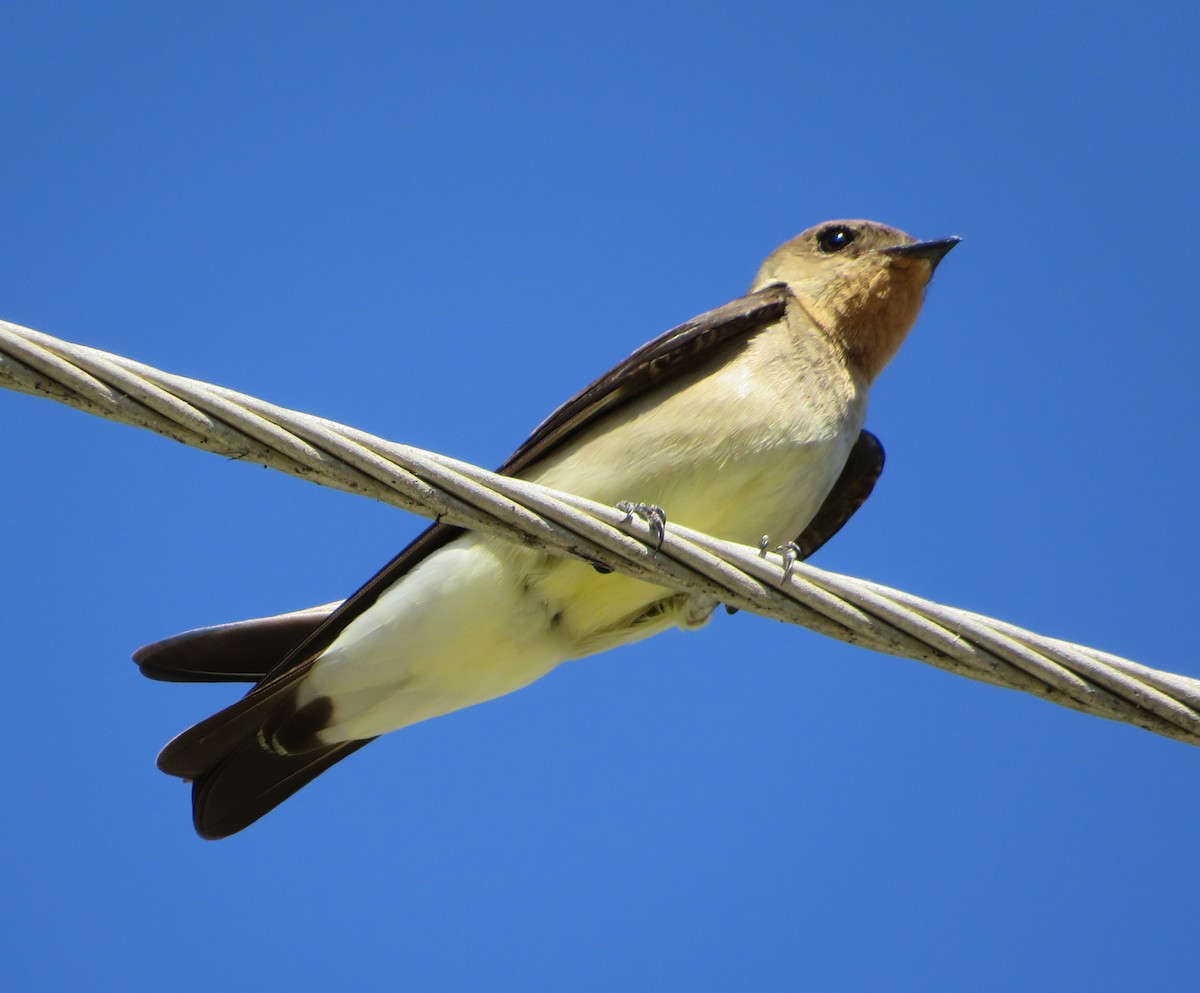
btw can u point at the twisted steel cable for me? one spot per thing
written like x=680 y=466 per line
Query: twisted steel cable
x=852 y=610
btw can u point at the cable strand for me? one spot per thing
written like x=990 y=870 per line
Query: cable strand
x=857 y=611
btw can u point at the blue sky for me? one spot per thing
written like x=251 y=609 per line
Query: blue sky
x=435 y=225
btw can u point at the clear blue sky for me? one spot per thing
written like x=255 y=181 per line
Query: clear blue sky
x=436 y=226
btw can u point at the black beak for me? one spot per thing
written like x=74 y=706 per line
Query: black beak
x=932 y=251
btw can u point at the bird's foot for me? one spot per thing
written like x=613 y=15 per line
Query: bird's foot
x=791 y=552
x=655 y=518
x=697 y=611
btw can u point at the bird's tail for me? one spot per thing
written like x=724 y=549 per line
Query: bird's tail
x=250 y=781
x=237 y=773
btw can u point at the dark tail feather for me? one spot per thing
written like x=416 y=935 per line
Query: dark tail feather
x=233 y=757
x=249 y=782
x=235 y=778
x=203 y=746
x=229 y=653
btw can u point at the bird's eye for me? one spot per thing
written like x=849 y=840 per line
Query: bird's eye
x=835 y=238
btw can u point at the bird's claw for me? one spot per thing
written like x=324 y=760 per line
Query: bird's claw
x=791 y=552
x=655 y=518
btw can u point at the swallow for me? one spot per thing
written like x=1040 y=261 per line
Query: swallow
x=745 y=420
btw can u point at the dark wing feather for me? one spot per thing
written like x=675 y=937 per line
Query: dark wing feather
x=248 y=650
x=236 y=781
x=861 y=472
x=666 y=357
x=229 y=653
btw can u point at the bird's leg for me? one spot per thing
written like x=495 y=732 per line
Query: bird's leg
x=655 y=518
x=790 y=552
x=764 y=543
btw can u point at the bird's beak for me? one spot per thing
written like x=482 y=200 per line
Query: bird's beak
x=931 y=251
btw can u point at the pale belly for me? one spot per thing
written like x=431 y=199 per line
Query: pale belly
x=484 y=617
x=775 y=494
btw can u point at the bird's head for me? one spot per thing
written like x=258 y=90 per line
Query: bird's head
x=863 y=283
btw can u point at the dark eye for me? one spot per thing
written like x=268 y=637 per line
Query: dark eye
x=835 y=238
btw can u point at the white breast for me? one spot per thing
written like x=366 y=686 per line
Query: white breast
x=747 y=449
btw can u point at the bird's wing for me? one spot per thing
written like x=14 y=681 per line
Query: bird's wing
x=666 y=357
x=243 y=651
x=229 y=653
x=249 y=650
x=236 y=781
x=862 y=470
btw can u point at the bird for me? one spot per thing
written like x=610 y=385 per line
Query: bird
x=747 y=420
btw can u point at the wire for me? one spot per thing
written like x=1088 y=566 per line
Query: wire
x=853 y=610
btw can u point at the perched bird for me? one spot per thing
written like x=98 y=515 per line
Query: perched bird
x=744 y=421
